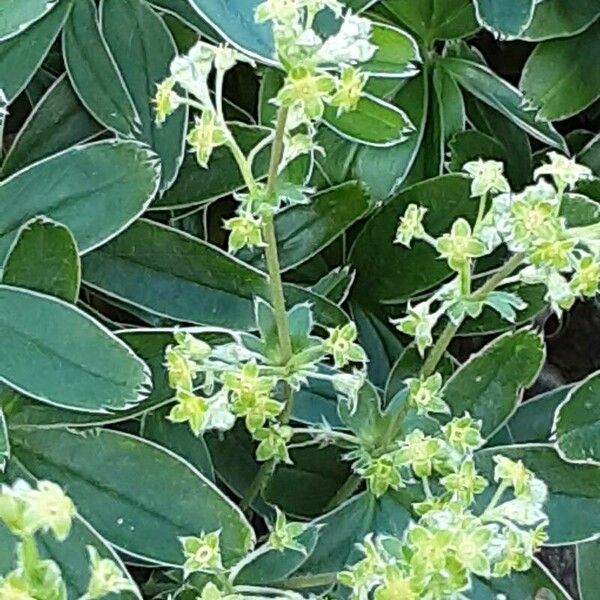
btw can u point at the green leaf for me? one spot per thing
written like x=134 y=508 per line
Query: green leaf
x=397 y=53
x=374 y=122
x=506 y=18
x=514 y=141
x=557 y=18
x=503 y=97
x=178 y=438
x=57 y=122
x=234 y=21
x=533 y=419
x=450 y=103
x=174 y=275
x=21 y=55
x=408 y=365
x=4 y=442
x=316 y=402
x=93 y=71
x=109 y=186
x=437 y=19
x=561 y=77
x=577 y=422
x=590 y=155
x=305 y=488
x=573 y=504
x=71 y=556
x=146 y=499
x=143 y=60
x=389 y=272
x=520 y=585
x=348 y=525
x=335 y=285
x=490 y=384
x=304 y=230
x=469 y=145
x=381 y=345
x=383 y=170
x=44 y=258
x=18 y=15
x=57 y=354
x=588 y=575
x=269 y=566
x=148 y=344
x=184 y=11
x=491 y=322
x=196 y=186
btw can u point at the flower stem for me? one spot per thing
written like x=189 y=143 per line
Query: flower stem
x=278 y=300
x=451 y=328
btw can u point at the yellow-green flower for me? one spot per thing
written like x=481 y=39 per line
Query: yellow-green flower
x=460 y=245
x=106 y=577
x=308 y=90
x=419 y=451
x=381 y=474
x=166 y=101
x=190 y=409
x=181 y=369
x=465 y=483
x=349 y=88
x=285 y=535
x=48 y=508
x=487 y=177
x=205 y=136
x=14 y=587
x=424 y=394
x=342 y=346
x=273 y=443
x=202 y=554
x=411 y=225
x=245 y=231
x=463 y=434
x=565 y=171
x=586 y=279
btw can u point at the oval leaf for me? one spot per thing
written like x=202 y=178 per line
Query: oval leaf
x=57 y=354
x=573 y=504
x=143 y=60
x=505 y=18
x=57 y=122
x=44 y=258
x=110 y=184
x=561 y=77
x=500 y=95
x=175 y=275
x=374 y=122
x=18 y=15
x=21 y=55
x=389 y=272
x=93 y=71
x=577 y=422
x=127 y=502
x=490 y=384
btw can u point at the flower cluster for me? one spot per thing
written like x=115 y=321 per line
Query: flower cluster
x=530 y=224
x=240 y=379
x=26 y=511
x=309 y=86
x=456 y=536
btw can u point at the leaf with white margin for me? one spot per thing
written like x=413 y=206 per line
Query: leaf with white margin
x=18 y=15
x=57 y=354
x=577 y=422
x=109 y=184
x=139 y=496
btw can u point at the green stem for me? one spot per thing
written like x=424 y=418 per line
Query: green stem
x=496 y=498
x=346 y=491
x=480 y=212
x=278 y=299
x=437 y=352
x=310 y=581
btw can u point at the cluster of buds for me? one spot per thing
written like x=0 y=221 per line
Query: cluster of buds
x=451 y=542
x=309 y=86
x=26 y=511
x=566 y=260
x=202 y=555
x=215 y=386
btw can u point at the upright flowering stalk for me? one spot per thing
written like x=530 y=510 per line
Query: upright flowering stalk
x=216 y=387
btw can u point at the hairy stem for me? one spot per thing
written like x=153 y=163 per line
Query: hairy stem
x=278 y=299
x=437 y=352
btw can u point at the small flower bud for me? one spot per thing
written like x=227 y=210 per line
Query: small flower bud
x=487 y=177
x=202 y=554
x=106 y=577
